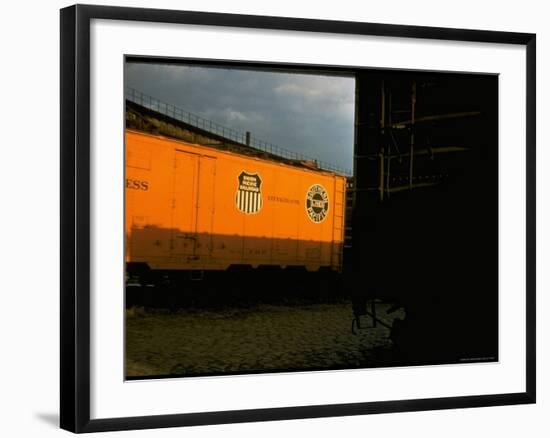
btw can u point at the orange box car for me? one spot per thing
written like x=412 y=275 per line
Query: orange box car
x=193 y=207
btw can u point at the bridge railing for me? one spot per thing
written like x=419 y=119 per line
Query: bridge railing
x=167 y=109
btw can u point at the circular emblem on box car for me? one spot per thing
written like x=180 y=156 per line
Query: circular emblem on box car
x=317 y=203
x=249 y=193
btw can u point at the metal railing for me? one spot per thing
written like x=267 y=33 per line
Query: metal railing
x=167 y=109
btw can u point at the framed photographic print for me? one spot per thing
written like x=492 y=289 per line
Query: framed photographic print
x=269 y=218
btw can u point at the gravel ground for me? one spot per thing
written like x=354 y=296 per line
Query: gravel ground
x=264 y=338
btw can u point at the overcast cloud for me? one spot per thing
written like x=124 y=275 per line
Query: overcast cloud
x=308 y=114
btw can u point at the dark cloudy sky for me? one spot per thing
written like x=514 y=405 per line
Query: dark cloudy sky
x=309 y=114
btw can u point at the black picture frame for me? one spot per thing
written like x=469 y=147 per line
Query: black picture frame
x=75 y=217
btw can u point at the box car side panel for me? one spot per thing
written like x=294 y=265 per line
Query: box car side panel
x=338 y=228
x=279 y=232
x=148 y=200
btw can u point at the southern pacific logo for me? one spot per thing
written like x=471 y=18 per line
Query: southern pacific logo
x=317 y=203
x=249 y=194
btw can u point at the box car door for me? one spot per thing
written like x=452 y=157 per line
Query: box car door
x=193 y=205
x=184 y=203
x=205 y=206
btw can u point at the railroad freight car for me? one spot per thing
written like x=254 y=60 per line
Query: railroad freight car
x=198 y=208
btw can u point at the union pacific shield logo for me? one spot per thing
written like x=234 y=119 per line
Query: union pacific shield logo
x=249 y=194
x=317 y=203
